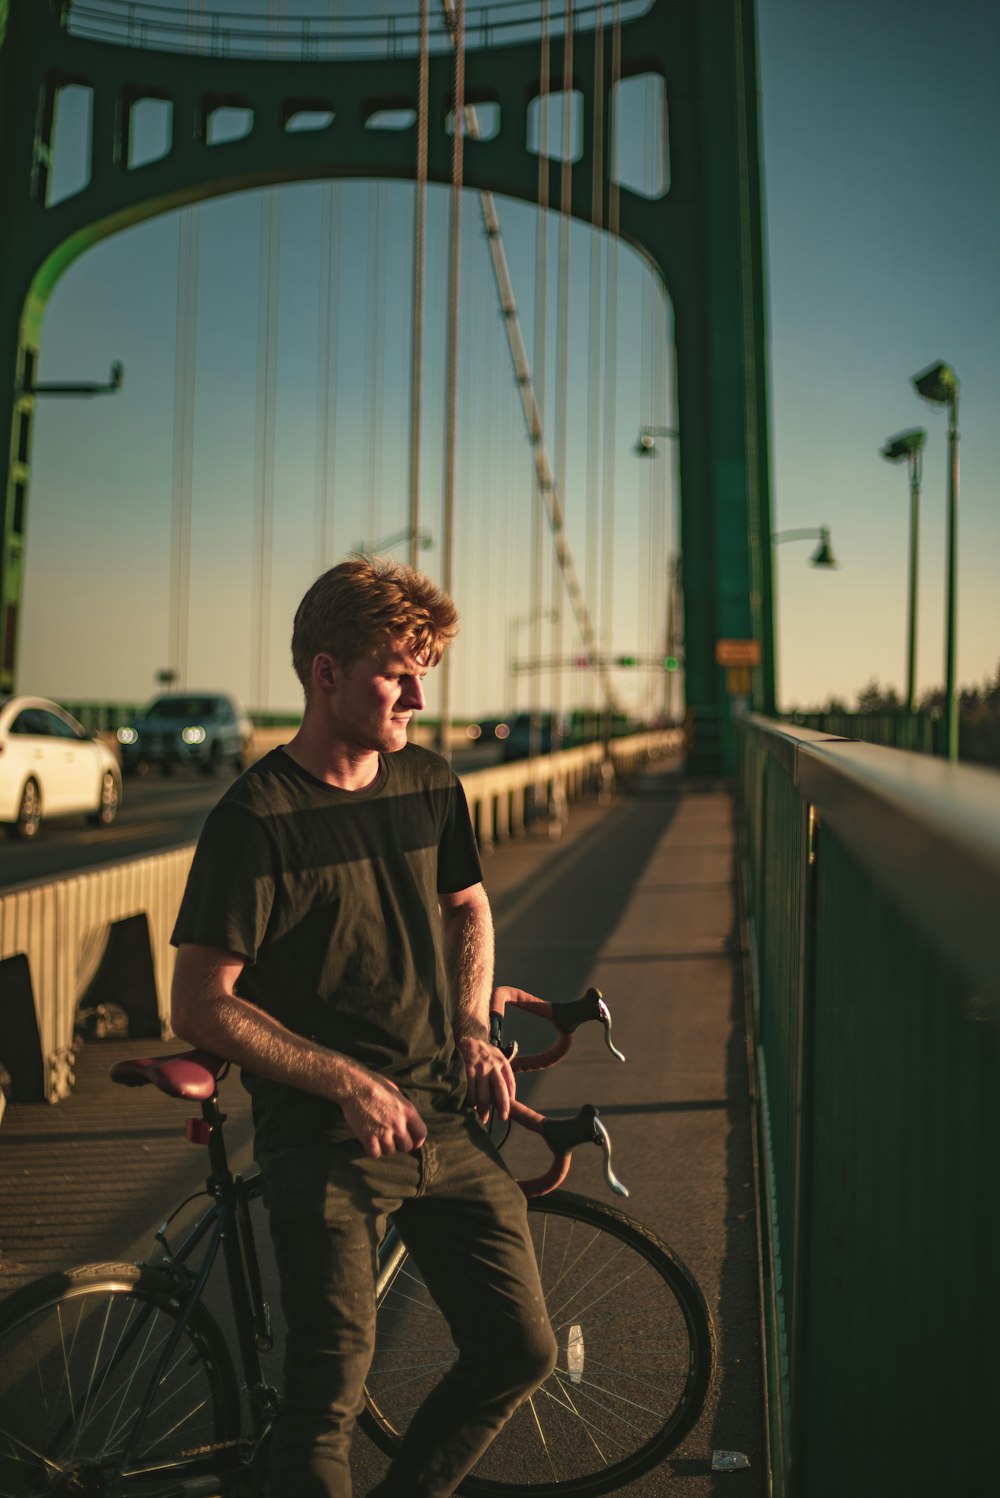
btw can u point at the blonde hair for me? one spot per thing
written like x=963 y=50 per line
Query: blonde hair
x=352 y=609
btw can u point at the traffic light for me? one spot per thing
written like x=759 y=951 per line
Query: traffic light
x=581 y=660
x=626 y=660
x=671 y=663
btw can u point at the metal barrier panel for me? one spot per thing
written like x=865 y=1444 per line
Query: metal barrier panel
x=62 y=928
x=878 y=1057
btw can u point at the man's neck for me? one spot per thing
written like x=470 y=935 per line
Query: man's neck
x=337 y=764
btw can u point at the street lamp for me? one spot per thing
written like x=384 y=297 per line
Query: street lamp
x=823 y=555
x=423 y=541
x=645 y=445
x=513 y=625
x=910 y=445
x=938 y=383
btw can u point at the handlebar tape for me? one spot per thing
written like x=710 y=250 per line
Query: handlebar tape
x=562 y=1134
x=569 y=1017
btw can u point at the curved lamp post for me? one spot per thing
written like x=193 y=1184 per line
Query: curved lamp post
x=910 y=445
x=938 y=383
x=386 y=543
x=823 y=555
x=645 y=445
x=513 y=625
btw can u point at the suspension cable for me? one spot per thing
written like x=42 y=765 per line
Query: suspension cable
x=267 y=378
x=185 y=369
x=451 y=392
x=540 y=340
x=611 y=345
x=375 y=358
x=326 y=409
x=183 y=457
x=595 y=363
x=562 y=326
x=419 y=279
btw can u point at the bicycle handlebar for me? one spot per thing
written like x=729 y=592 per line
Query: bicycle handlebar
x=566 y=1019
x=561 y=1135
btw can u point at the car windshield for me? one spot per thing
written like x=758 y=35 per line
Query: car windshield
x=190 y=708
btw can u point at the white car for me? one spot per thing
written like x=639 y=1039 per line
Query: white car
x=51 y=766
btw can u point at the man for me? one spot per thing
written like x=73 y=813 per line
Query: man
x=336 y=941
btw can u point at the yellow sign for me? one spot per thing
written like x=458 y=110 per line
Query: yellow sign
x=737 y=652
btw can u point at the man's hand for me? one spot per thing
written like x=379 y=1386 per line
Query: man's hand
x=380 y=1116
x=491 y=1080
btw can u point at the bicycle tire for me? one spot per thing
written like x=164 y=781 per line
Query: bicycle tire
x=77 y=1350
x=633 y=1369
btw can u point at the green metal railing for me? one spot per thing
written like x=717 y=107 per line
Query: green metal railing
x=872 y=880
x=926 y=733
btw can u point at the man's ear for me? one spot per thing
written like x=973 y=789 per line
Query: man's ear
x=324 y=672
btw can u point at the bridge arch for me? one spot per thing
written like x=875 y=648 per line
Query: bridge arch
x=702 y=236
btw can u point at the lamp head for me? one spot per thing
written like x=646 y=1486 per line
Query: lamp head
x=899 y=447
x=937 y=383
x=645 y=445
x=823 y=555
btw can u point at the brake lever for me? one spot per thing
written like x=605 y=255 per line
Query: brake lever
x=604 y=1015
x=603 y=1138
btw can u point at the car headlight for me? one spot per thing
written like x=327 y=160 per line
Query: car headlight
x=193 y=735
x=127 y=736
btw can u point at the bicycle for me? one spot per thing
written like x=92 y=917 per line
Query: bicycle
x=117 y=1381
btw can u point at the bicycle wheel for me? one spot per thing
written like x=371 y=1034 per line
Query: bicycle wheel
x=635 y=1357
x=77 y=1355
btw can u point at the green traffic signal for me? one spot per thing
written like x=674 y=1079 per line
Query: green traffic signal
x=626 y=660
x=671 y=663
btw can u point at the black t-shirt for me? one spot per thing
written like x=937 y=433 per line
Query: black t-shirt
x=331 y=896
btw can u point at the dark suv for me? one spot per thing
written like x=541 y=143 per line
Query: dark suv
x=205 y=729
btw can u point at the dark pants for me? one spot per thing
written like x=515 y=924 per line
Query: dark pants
x=464 y=1220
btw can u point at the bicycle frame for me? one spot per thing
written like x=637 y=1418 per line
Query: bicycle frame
x=226 y=1224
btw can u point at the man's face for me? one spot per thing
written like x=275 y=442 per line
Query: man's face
x=376 y=697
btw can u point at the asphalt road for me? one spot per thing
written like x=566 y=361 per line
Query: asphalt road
x=156 y=813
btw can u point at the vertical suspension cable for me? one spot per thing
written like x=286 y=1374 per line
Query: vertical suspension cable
x=267 y=340
x=326 y=408
x=183 y=456
x=661 y=545
x=541 y=314
x=611 y=346
x=375 y=361
x=650 y=417
x=595 y=363
x=326 y=412
x=419 y=258
x=562 y=344
x=179 y=607
x=451 y=393
x=267 y=348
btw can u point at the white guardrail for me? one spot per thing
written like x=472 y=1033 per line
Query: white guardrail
x=55 y=936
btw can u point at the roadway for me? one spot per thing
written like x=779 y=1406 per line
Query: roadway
x=156 y=813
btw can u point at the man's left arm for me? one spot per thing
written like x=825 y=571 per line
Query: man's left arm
x=467 y=922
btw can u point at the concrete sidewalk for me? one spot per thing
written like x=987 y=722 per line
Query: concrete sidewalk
x=639 y=899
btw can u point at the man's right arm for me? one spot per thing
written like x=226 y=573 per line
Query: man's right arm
x=207 y=1012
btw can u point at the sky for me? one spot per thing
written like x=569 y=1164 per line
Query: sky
x=880 y=123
